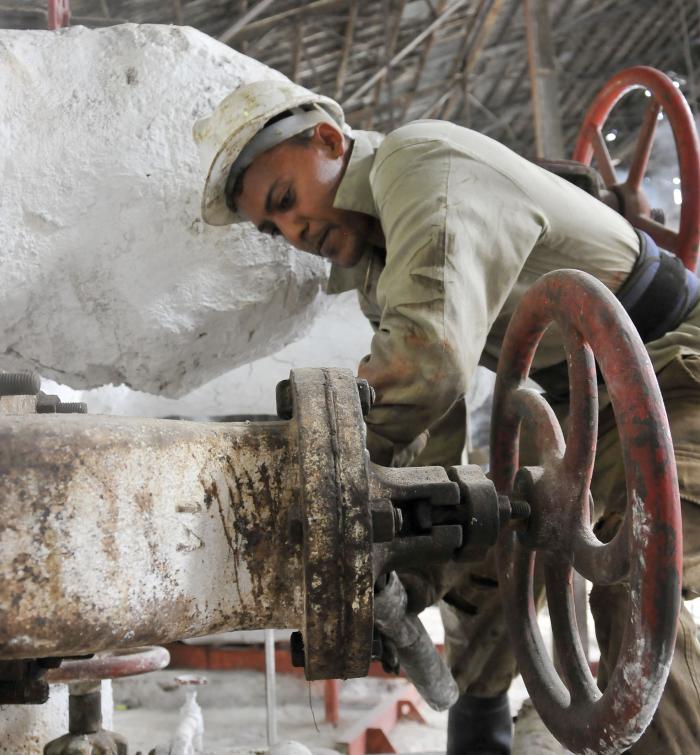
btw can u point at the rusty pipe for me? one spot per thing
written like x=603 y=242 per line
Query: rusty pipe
x=116 y=532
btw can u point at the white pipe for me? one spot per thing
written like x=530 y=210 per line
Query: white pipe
x=270 y=691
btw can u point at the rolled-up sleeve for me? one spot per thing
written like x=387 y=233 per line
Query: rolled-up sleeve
x=458 y=231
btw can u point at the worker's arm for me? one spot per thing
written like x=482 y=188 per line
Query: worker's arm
x=457 y=233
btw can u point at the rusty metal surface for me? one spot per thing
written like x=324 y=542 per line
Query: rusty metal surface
x=22 y=682
x=17 y=404
x=117 y=532
x=417 y=654
x=121 y=532
x=111 y=665
x=334 y=509
x=633 y=204
x=647 y=549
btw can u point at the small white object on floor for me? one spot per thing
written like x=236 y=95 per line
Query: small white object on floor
x=189 y=734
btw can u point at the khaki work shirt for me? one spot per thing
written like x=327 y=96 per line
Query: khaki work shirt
x=469 y=226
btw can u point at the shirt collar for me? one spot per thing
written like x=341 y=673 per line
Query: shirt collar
x=355 y=193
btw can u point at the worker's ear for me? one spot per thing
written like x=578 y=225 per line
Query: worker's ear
x=330 y=137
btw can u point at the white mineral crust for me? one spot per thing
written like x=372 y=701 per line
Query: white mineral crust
x=108 y=274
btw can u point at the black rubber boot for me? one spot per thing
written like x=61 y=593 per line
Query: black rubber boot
x=480 y=726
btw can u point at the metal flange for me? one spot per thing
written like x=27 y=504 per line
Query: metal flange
x=336 y=520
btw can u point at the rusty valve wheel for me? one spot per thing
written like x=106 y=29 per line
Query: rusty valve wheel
x=646 y=551
x=111 y=665
x=631 y=201
x=85 y=733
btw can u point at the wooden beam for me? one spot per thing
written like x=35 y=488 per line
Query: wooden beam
x=472 y=58
x=549 y=137
x=177 y=11
x=457 y=64
x=382 y=72
x=449 y=100
x=297 y=50
x=260 y=7
x=347 y=46
x=255 y=28
x=424 y=53
x=391 y=36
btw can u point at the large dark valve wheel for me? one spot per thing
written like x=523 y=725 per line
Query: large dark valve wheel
x=631 y=200
x=645 y=552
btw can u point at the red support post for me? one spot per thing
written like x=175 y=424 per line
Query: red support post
x=59 y=13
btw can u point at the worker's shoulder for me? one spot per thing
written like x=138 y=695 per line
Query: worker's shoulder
x=434 y=138
x=417 y=132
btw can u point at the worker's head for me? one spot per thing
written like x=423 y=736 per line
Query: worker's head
x=275 y=154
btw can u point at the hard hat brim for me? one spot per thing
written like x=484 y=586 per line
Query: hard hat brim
x=215 y=211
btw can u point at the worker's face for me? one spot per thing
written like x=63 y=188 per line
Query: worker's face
x=290 y=189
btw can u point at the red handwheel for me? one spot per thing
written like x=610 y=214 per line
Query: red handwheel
x=632 y=202
x=646 y=551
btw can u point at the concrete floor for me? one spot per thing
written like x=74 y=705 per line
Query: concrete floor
x=233 y=706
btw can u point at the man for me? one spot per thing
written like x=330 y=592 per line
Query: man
x=441 y=230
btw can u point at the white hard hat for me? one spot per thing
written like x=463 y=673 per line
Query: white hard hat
x=227 y=135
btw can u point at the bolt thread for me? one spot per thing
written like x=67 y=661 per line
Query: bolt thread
x=519 y=509
x=19 y=383
x=76 y=407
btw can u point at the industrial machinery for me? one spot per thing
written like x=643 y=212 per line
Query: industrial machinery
x=121 y=532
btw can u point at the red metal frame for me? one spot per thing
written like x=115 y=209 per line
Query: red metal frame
x=370 y=734
x=59 y=13
x=645 y=552
x=634 y=205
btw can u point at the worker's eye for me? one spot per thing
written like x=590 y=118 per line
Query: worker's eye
x=286 y=200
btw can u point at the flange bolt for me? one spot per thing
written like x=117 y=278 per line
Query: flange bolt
x=296 y=646
x=519 y=509
x=19 y=383
x=75 y=407
x=283 y=399
x=367 y=396
x=386 y=520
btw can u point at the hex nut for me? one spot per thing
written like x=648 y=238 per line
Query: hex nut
x=283 y=399
x=47 y=404
x=384 y=521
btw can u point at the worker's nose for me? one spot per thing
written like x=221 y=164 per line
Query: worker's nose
x=295 y=229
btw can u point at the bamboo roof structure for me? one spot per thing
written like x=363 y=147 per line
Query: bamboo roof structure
x=392 y=61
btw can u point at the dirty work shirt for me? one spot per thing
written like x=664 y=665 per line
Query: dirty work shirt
x=469 y=226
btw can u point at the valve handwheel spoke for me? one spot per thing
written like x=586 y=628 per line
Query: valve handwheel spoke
x=562 y=613
x=664 y=96
x=602 y=156
x=646 y=551
x=642 y=150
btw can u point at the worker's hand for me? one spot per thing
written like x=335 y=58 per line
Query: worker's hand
x=404 y=456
